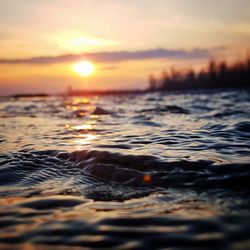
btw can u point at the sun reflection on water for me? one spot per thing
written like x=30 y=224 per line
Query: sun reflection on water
x=84 y=133
x=83 y=127
x=79 y=101
x=84 y=140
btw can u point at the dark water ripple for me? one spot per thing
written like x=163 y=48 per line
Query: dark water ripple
x=154 y=171
x=31 y=168
x=135 y=233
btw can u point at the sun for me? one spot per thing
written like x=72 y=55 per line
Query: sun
x=84 y=68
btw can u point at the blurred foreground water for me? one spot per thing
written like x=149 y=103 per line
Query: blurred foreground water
x=149 y=171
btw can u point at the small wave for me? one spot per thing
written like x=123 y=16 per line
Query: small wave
x=167 y=109
x=146 y=123
x=227 y=113
x=95 y=111
x=101 y=111
x=59 y=201
x=243 y=126
x=94 y=167
x=88 y=228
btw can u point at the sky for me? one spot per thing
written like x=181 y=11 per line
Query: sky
x=126 y=40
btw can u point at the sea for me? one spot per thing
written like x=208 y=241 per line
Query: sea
x=128 y=171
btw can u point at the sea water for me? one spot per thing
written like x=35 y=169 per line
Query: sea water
x=148 y=171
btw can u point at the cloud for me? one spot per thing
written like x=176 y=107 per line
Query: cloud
x=112 y=57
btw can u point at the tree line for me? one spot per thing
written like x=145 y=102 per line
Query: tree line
x=215 y=75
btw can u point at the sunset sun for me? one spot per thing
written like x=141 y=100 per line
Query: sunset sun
x=84 y=68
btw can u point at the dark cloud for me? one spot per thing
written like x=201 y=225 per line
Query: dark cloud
x=112 y=57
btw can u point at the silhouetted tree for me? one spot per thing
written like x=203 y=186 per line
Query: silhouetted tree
x=216 y=75
x=152 y=82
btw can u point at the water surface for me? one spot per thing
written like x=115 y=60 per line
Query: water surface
x=148 y=171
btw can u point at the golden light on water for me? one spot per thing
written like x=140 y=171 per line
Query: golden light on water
x=87 y=126
x=85 y=139
x=84 y=68
x=83 y=127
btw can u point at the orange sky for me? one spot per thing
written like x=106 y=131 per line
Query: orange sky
x=60 y=33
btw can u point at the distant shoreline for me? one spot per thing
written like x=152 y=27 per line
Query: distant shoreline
x=129 y=92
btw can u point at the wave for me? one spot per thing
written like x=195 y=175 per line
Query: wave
x=174 y=109
x=32 y=167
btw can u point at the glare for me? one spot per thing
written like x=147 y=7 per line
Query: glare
x=87 y=126
x=85 y=139
x=84 y=68
x=83 y=127
x=77 y=42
